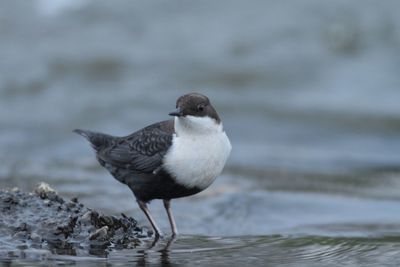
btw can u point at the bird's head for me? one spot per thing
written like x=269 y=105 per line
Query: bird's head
x=195 y=113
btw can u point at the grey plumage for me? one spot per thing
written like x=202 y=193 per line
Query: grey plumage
x=96 y=140
x=140 y=152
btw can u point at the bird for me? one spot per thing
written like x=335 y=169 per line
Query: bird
x=166 y=160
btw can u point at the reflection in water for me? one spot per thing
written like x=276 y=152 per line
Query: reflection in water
x=227 y=251
x=162 y=246
x=291 y=251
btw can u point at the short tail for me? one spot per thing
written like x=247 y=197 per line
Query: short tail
x=97 y=140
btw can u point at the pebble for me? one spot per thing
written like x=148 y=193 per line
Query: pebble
x=99 y=234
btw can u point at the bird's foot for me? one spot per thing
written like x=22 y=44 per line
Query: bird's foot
x=174 y=235
x=160 y=238
x=159 y=235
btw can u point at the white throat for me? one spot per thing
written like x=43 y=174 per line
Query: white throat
x=196 y=125
x=198 y=152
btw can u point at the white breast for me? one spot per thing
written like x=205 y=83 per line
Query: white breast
x=198 y=153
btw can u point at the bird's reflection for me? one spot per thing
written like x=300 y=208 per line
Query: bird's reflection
x=160 y=246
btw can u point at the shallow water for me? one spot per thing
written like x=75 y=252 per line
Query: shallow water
x=308 y=92
x=244 y=250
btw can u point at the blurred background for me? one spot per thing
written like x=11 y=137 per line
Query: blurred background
x=308 y=92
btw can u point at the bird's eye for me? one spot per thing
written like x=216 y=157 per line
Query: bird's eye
x=200 y=107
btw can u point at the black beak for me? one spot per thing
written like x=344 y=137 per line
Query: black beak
x=177 y=113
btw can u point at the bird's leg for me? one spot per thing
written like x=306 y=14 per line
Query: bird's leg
x=146 y=211
x=167 y=205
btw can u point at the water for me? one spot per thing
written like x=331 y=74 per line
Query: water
x=243 y=250
x=308 y=92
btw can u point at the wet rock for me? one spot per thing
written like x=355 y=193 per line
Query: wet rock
x=86 y=218
x=44 y=191
x=100 y=234
x=35 y=238
x=44 y=220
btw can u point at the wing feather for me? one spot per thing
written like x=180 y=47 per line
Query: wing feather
x=142 y=151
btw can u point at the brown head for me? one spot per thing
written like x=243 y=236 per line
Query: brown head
x=196 y=105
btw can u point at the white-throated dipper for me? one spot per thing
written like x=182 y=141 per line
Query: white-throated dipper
x=168 y=159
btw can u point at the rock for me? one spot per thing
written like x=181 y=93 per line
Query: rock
x=43 y=220
x=43 y=189
x=86 y=218
x=36 y=238
x=100 y=234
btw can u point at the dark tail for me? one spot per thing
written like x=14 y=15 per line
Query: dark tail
x=97 y=140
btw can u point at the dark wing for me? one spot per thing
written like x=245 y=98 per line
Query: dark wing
x=142 y=151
